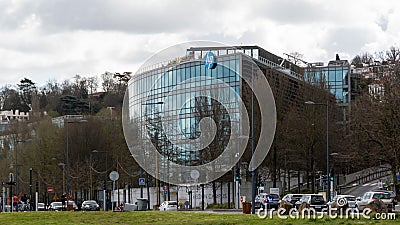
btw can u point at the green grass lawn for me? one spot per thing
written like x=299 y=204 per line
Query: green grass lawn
x=151 y=217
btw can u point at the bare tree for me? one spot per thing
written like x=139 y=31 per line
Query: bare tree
x=365 y=57
x=376 y=124
x=393 y=54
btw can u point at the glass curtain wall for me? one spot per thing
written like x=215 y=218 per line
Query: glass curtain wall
x=149 y=90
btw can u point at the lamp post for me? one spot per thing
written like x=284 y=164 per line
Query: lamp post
x=63 y=169
x=328 y=189
x=61 y=164
x=67 y=153
x=141 y=170
x=238 y=174
x=236 y=168
x=16 y=166
x=105 y=179
x=105 y=152
x=111 y=111
x=254 y=171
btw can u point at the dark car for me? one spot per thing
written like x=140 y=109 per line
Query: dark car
x=90 y=205
x=268 y=200
x=315 y=201
x=292 y=198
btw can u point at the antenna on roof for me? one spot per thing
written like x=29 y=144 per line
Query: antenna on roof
x=295 y=59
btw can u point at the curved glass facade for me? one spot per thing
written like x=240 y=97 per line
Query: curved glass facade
x=149 y=91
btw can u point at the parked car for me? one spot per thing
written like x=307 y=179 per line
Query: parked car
x=351 y=200
x=370 y=196
x=24 y=207
x=392 y=196
x=55 y=206
x=315 y=201
x=292 y=198
x=90 y=205
x=7 y=208
x=41 y=206
x=74 y=205
x=268 y=200
x=169 y=206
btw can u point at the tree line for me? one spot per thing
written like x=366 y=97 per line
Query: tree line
x=96 y=147
x=69 y=97
x=370 y=138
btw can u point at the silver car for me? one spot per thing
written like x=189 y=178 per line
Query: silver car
x=41 y=206
x=169 y=206
x=267 y=200
x=56 y=206
x=370 y=196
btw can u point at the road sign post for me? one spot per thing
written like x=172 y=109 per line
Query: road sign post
x=114 y=175
x=380 y=184
x=50 y=190
x=3 y=197
x=142 y=181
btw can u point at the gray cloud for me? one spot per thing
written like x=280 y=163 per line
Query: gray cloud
x=293 y=12
x=60 y=38
x=347 y=39
x=131 y=16
x=383 y=22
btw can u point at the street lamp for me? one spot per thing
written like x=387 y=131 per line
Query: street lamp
x=236 y=168
x=238 y=174
x=66 y=153
x=328 y=191
x=63 y=169
x=105 y=179
x=111 y=111
x=254 y=171
x=16 y=165
x=141 y=170
x=105 y=152
x=61 y=164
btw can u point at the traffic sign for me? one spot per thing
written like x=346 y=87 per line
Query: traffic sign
x=114 y=175
x=165 y=187
x=165 y=192
x=142 y=181
x=274 y=191
x=50 y=189
x=380 y=184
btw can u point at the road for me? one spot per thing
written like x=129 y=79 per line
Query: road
x=360 y=189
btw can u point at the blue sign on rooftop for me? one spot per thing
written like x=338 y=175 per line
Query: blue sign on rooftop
x=209 y=60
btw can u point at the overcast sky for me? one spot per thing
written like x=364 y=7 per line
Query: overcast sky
x=57 y=39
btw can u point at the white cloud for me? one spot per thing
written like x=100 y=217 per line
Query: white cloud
x=57 y=39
